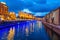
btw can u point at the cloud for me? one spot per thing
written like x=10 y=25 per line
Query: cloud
x=41 y=13
x=34 y=6
x=3 y=2
x=26 y=10
x=40 y=1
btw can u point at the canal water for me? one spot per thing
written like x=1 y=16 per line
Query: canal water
x=24 y=30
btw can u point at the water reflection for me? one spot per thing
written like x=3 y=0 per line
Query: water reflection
x=39 y=24
x=24 y=30
x=11 y=34
x=27 y=32
x=31 y=27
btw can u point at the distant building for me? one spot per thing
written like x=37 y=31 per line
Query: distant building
x=39 y=17
x=12 y=16
x=50 y=19
x=24 y=15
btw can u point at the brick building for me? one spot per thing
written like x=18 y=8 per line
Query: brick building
x=53 y=17
x=56 y=16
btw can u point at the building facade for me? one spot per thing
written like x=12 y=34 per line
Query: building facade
x=50 y=19
x=53 y=17
x=24 y=15
x=12 y=16
x=3 y=11
x=56 y=16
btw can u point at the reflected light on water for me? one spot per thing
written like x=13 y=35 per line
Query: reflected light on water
x=27 y=32
x=23 y=28
x=39 y=24
x=11 y=33
x=18 y=28
x=31 y=27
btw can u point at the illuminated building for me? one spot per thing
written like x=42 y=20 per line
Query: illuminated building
x=12 y=16
x=24 y=15
x=3 y=10
x=2 y=17
x=38 y=18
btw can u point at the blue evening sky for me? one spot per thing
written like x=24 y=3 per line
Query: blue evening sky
x=36 y=7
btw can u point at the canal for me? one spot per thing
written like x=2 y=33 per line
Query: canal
x=24 y=30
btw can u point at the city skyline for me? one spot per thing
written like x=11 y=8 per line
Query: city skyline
x=36 y=7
